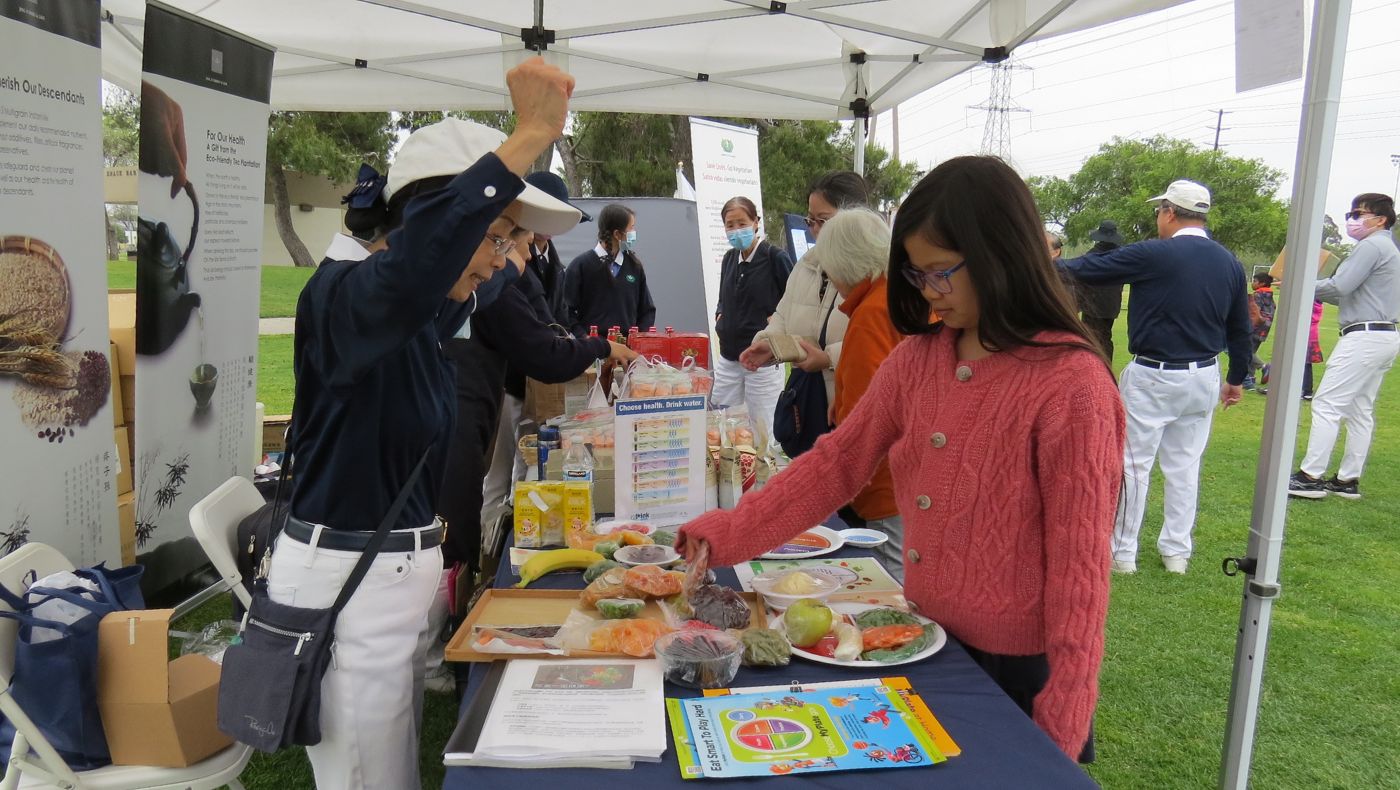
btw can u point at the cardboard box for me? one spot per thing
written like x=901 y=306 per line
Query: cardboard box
x=121 y=321
x=155 y=711
x=604 y=478
x=274 y=432
x=124 y=479
x=128 y=388
x=126 y=521
x=118 y=411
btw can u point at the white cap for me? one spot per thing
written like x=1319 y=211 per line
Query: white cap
x=452 y=145
x=1186 y=194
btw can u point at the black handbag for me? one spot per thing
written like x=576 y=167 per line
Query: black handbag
x=800 y=418
x=270 y=691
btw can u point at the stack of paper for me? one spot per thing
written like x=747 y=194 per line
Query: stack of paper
x=565 y=714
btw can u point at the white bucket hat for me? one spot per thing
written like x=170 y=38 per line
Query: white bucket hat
x=452 y=145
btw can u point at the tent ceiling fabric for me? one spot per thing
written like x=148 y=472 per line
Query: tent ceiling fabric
x=748 y=58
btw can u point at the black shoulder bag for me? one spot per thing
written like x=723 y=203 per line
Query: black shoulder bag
x=270 y=691
x=800 y=418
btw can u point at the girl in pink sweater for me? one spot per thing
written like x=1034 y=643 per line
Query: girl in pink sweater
x=1004 y=432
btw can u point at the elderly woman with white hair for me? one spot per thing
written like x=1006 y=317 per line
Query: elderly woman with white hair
x=854 y=254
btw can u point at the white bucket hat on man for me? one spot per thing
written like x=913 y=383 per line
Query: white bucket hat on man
x=1186 y=194
x=452 y=145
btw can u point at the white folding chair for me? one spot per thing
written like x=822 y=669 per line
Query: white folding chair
x=215 y=520
x=33 y=761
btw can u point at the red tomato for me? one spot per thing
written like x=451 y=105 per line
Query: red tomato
x=826 y=646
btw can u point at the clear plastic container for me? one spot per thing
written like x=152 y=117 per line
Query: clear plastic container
x=699 y=659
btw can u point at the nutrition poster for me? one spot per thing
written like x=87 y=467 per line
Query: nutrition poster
x=204 y=110
x=58 y=462
x=661 y=459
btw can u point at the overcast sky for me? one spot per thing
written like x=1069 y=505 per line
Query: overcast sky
x=1167 y=73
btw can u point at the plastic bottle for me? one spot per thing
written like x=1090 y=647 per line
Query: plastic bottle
x=578 y=464
x=592 y=331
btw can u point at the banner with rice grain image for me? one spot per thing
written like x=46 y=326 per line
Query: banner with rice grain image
x=58 y=465
x=204 y=111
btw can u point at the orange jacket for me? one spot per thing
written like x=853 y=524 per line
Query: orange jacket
x=870 y=337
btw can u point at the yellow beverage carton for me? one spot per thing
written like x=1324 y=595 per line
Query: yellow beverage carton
x=578 y=509
x=539 y=514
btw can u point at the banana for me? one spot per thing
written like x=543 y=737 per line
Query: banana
x=556 y=560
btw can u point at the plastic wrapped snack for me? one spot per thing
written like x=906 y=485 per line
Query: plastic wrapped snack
x=766 y=647
x=720 y=606
x=598 y=569
x=699 y=658
x=653 y=581
x=609 y=585
x=631 y=637
x=620 y=608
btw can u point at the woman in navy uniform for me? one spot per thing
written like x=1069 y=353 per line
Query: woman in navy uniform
x=375 y=392
x=607 y=286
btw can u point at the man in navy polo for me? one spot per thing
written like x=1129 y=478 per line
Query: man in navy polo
x=1186 y=305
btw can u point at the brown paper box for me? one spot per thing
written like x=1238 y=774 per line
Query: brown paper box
x=124 y=456
x=274 y=435
x=155 y=711
x=126 y=521
x=118 y=412
x=128 y=388
x=121 y=321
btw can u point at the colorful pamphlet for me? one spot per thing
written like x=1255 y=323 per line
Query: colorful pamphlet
x=783 y=731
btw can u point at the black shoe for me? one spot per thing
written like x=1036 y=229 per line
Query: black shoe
x=1304 y=485
x=1346 y=489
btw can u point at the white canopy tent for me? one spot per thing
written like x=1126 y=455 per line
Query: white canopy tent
x=804 y=59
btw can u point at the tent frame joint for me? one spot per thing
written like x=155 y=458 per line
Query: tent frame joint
x=860 y=108
x=995 y=54
x=702 y=77
x=857 y=58
x=361 y=63
x=777 y=7
x=1258 y=589
x=537 y=38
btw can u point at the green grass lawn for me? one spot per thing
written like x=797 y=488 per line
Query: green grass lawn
x=1331 y=705
x=281 y=285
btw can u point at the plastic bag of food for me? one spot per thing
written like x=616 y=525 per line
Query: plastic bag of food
x=592 y=572
x=653 y=581
x=720 y=606
x=517 y=639
x=699 y=658
x=620 y=608
x=608 y=585
x=631 y=637
x=766 y=647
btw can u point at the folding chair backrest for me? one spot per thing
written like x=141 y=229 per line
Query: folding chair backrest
x=215 y=520
x=15 y=569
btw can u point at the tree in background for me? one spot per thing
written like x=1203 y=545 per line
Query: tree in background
x=121 y=140
x=330 y=144
x=1116 y=183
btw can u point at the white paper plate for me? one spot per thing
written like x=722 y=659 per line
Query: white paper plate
x=627 y=555
x=607 y=527
x=813 y=543
x=940 y=638
x=865 y=538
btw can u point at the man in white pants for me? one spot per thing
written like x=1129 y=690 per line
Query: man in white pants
x=1366 y=290
x=1186 y=305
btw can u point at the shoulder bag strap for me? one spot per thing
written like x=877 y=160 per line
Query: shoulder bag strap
x=821 y=339
x=376 y=542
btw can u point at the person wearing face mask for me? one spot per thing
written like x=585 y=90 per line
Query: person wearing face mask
x=1366 y=290
x=753 y=276
x=374 y=395
x=607 y=286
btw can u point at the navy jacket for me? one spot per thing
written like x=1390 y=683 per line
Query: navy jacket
x=748 y=294
x=1188 y=301
x=597 y=298
x=373 y=388
x=517 y=326
x=549 y=272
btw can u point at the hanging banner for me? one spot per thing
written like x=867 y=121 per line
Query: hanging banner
x=58 y=462
x=726 y=166
x=204 y=110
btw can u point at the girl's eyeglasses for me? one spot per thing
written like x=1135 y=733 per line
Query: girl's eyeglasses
x=814 y=222
x=938 y=281
x=500 y=246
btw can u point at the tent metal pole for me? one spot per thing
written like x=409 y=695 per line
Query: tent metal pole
x=860 y=145
x=1317 y=130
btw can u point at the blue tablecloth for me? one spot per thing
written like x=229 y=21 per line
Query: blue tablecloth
x=1001 y=747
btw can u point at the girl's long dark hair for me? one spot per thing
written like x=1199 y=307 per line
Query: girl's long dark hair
x=980 y=207
x=614 y=217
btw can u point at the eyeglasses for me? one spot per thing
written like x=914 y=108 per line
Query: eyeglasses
x=938 y=281
x=1160 y=209
x=1359 y=214
x=500 y=246
x=815 y=222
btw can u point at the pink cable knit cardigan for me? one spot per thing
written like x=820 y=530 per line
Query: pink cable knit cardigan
x=1006 y=471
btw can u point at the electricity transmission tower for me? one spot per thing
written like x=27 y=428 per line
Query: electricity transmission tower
x=996 y=133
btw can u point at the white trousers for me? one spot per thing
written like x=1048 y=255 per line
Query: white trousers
x=1348 y=393
x=372 y=695
x=758 y=390
x=1169 y=414
x=506 y=465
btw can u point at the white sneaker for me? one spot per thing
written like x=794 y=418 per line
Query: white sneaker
x=1175 y=563
x=1125 y=566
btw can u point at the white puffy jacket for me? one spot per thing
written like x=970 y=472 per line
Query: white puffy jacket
x=801 y=311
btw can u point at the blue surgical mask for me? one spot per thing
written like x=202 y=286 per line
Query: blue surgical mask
x=631 y=241
x=741 y=238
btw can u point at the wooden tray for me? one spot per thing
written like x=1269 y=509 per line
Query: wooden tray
x=546 y=607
